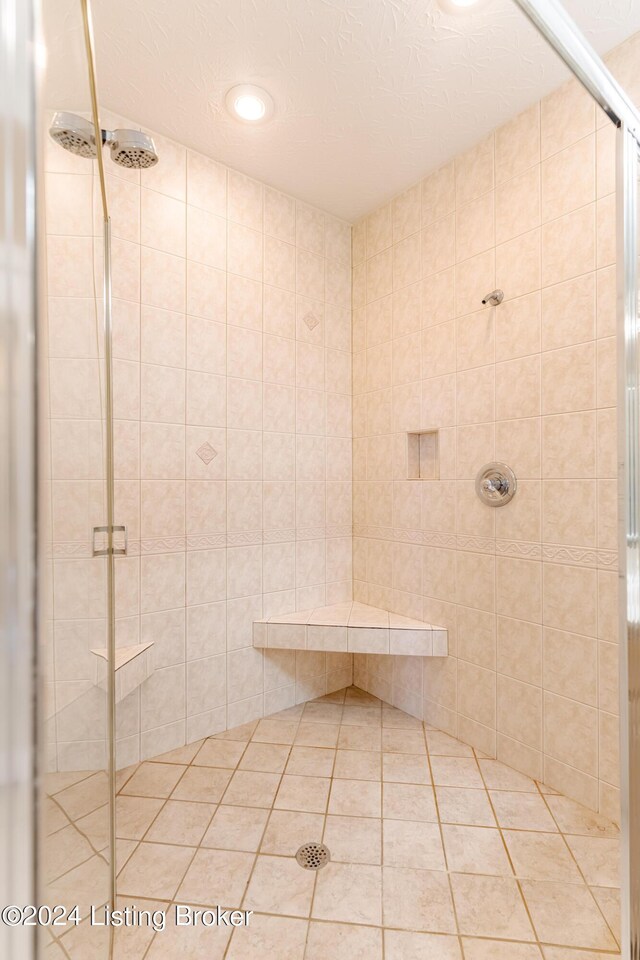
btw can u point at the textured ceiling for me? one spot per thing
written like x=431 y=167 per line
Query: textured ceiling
x=370 y=94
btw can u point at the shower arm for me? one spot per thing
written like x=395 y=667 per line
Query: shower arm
x=494 y=298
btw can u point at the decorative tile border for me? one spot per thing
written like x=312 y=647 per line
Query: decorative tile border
x=82 y=549
x=519 y=549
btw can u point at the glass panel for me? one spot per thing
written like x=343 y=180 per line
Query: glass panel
x=76 y=820
x=629 y=290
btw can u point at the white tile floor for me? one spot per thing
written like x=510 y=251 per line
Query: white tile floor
x=436 y=853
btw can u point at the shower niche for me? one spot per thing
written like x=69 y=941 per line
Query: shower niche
x=423 y=455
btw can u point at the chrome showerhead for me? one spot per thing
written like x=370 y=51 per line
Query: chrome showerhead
x=75 y=134
x=131 y=148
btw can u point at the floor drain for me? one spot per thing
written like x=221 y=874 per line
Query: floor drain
x=313 y=856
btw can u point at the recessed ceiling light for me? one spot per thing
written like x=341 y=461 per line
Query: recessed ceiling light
x=459 y=6
x=249 y=103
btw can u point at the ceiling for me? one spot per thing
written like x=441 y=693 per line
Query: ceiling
x=370 y=94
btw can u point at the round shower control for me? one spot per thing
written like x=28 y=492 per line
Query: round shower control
x=496 y=484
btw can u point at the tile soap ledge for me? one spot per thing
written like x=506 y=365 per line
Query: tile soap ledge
x=133 y=665
x=351 y=628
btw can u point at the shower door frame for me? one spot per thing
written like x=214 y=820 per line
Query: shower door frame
x=558 y=28
x=18 y=445
x=18 y=465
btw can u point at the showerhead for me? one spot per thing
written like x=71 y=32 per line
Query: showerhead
x=129 y=148
x=75 y=134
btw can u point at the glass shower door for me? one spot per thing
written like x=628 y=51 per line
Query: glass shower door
x=76 y=592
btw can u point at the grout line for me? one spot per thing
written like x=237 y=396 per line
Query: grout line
x=573 y=857
x=506 y=849
x=257 y=852
x=441 y=833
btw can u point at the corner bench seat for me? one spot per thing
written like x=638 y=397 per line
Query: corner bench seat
x=351 y=628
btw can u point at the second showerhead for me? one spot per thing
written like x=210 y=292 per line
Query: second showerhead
x=129 y=148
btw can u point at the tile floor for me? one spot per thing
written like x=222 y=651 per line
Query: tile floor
x=436 y=852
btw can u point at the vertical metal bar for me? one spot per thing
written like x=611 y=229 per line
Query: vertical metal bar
x=629 y=520
x=109 y=472
x=111 y=594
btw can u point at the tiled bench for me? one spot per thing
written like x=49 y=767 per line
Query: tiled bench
x=351 y=628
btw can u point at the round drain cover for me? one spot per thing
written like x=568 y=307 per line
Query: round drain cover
x=313 y=856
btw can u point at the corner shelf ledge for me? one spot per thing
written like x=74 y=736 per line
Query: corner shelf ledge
x=351 y=628
x=133 y=666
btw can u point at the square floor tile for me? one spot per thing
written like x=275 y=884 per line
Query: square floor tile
x=609 y=901
x=403 y=741
x=598 y=859
x=541 y=856
x=465 y=805
x=362 y=715
x=202 y=784
x=402 y=945
x=350 y=893
x=308 y=794
x=154 y=780
x=354 y=839
x=408 y=801
x=287 y=830
x=217 y=877
x=360 y=738
x=498 y=776
x=357 y=765
x=186 y=942
x=405 y=768
x=134 y=815
x=355 y=798
x=247 y=788
x=265 y=757
x=410 y=844
x=490 y=907
x=317 y=734
x=275 y=731
x=236 y=828
x=417 y=900
x=154 y=871
x=567 y=914
x=315 y=712
x=475 y=850
x=573 y=818
x=311 y=761
x=181 y=822
x=522 y=811
x=266 y=937
x=441 y=744
x=392 y=717
x=343 y=941
x=280 y=885
x=219 y=753
x=455 y=772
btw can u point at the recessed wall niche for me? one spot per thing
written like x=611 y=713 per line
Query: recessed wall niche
x=423 y=460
